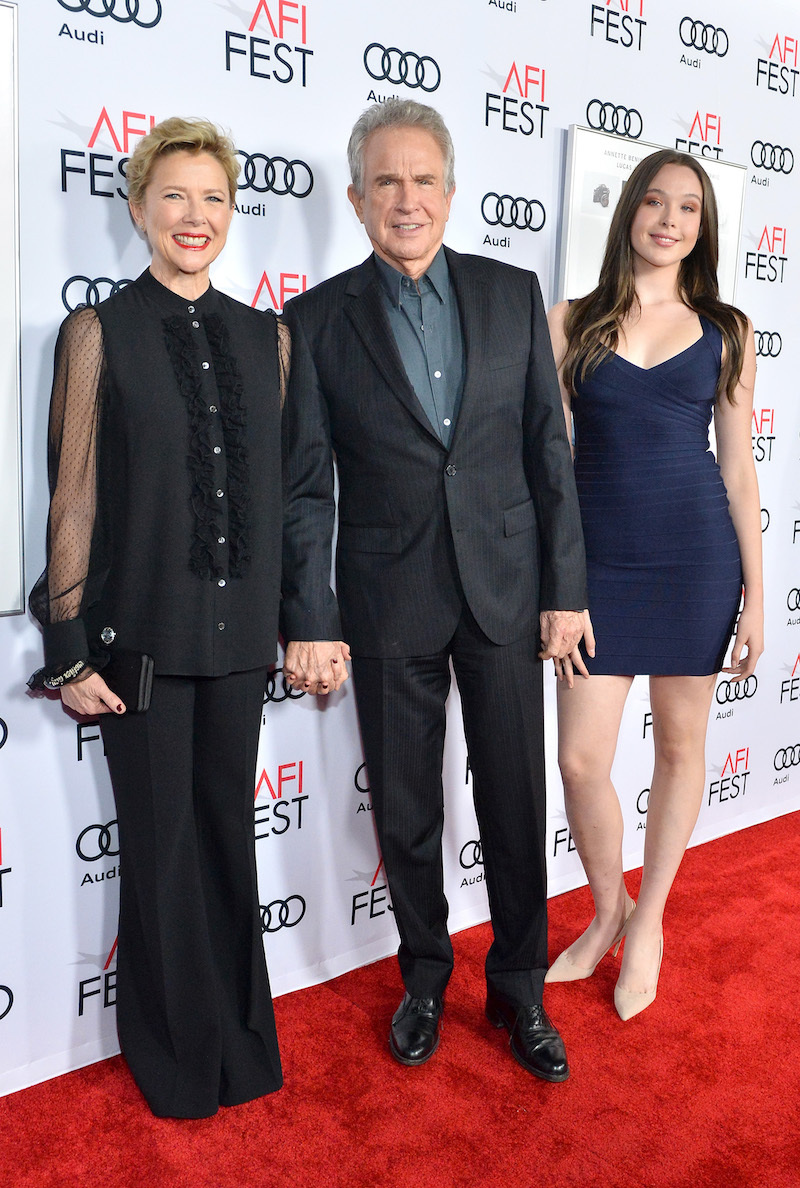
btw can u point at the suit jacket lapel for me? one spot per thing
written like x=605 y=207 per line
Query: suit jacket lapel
x=364 y=308
x=473 y=305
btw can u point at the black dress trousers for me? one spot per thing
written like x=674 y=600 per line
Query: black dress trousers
x=194 y=1010
x=401 y=710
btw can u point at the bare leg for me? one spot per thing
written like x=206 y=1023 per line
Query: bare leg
x=589 y=716
x=680 y=708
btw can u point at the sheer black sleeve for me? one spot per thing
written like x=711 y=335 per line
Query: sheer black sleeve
x=73 y=571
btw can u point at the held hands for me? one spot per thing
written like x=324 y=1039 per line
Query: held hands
x=561 y=632
x=316 y=666
x=91 y=696
x=750 y=636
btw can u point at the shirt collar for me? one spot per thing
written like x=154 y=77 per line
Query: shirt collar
x=437 y=276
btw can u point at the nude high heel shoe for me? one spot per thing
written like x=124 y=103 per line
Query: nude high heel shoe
x=564 y=969
x=633 y=1002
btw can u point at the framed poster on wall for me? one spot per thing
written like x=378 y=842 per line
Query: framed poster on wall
x=598 y=165
x=11 y=578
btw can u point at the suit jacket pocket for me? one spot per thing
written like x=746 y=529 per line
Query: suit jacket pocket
x=501 y=361
x=369 y=538
x=517 y=519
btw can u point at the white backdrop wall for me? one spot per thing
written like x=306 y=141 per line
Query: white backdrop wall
x=288 y=79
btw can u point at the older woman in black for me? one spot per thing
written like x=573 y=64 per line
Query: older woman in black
x=164 y=538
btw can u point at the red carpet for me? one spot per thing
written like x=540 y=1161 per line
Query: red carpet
x=703 y=1089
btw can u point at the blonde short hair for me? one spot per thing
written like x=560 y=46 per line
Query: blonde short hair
x=178 y=135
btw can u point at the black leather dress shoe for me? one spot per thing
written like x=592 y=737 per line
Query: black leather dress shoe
x=414 y=1034
x=535 y=1043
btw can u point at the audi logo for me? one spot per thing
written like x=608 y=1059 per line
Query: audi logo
x=728 y=691
x=765 y=519
x=281 y=914
x=771 y=157
x=793 y=600
x=769 y=343
x=283 y=691
x=361 y=772
x=611 y=117
x=99 y=838
x=108 y=8
x=393 y=65
x=9 y=996
x=471 y=855
x=703 y=37
x=276 y=175
x=79 y=291
x=501 y=210
x=787 y=757
x=3 y=734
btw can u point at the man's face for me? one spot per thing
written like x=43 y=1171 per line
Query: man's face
x=404 y=207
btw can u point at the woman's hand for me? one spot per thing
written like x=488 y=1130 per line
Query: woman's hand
x=749 y=636
x=91 y=697
x=566 y=667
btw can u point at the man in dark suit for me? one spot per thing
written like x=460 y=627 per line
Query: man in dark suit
x=430 y=376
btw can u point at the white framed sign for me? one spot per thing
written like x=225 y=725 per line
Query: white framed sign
x=598 y=165
x=11 y=580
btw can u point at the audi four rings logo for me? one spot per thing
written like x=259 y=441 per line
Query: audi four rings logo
x=280 y=691
x=79 y=291
x=501 y=210
x=697 y=35
x=611 y=117
x=276 y=175
x=769 y=343
x=471 y=855
x=98 y=841
x=144 y=13
x=401 y=66
x=6 y=993
x=793 y=600
x=282 y=913
x=787 y=757
x=728 y=691
x=771 y=157
x=3 y=734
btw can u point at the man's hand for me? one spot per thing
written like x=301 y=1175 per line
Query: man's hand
x=316 y=666
x=560 y=631
x=568 y=663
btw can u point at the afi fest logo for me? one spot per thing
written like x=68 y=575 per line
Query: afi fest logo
x=97 y=169
x=276 y=292
x=732 y=781
x=280 y=813
x=768 y=262
x=4 y=870
x=790 y=686
x=620 y=22
x=778 y=71
x=704 y=136
x=763 y=434
x=103 y=985
x=278 y=51
x=520 y=107
x=375 y=901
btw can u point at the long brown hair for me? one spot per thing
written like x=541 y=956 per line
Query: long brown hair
x=592 y=322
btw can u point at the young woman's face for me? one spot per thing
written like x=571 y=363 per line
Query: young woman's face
x=666 y=225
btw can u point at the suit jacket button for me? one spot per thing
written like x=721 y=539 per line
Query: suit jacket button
x=451 y=470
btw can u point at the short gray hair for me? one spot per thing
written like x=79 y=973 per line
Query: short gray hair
x=399 y=113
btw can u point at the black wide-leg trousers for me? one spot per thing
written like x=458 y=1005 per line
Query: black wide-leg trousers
x=194 y=1010
x=401 y=710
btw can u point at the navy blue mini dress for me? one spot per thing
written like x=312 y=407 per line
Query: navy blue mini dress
x=665 y=575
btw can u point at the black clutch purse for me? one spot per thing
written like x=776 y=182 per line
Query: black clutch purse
x=130 y=675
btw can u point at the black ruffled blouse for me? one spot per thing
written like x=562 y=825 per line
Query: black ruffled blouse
x=165 y=478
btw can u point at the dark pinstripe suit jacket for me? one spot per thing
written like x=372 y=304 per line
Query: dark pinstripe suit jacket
x=495 y=517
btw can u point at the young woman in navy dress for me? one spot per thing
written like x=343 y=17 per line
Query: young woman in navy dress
x=673 y=536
